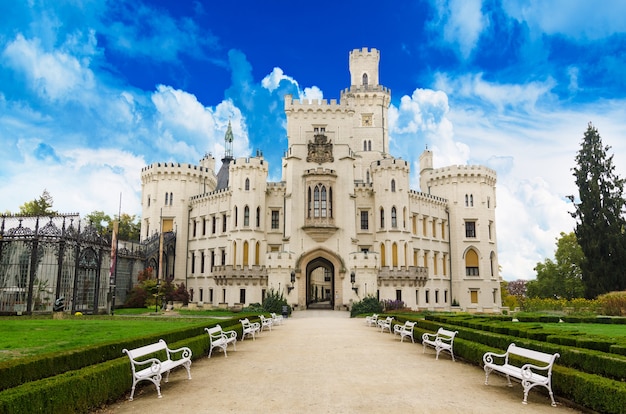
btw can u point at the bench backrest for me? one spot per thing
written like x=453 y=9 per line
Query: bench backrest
x=531 y=354
x=445 y=332
x=215 y=331
x=146 y=350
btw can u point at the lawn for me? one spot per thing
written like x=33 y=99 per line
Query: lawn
x=21 y=336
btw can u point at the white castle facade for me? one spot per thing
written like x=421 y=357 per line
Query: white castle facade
x=341 y=224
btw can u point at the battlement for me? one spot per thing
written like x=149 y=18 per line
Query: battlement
x=372 y=53
x=390 y=163
x=292 y=104
x=468 y=171
x=249 y=162
x=429 y=197
x=172 y=167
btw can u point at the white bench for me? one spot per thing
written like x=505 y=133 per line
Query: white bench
x=266 y=322
x=277 y=319
x=371 y=320
x=385 y=324
x=443 y=340
x=530 y=374
x=220 y=339
x=249 y=328
x=405 y=330
x=152 y=369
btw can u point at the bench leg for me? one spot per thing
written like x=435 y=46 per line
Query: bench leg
x=487 y=372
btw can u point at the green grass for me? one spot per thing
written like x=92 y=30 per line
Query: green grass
x=608 y=330
x=22 y=336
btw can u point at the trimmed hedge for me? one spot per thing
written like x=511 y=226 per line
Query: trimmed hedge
x=86 y=389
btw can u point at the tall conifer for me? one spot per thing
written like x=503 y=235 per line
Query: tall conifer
x=599 y=215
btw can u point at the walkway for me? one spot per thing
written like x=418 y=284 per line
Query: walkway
x=326 y=362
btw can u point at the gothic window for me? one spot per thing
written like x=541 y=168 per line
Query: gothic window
x=393 y=186
x=323 y=206
x=365 y=81
x=171 y=198
x=382 y=218
x=309 y=203
x=202 y=262
x=258 y=216
x=213 y=224
x=471 y=263
x=369 y=145
x=471 y=200
x=316 y=202
x=224 y=223
x=367 y=175
x=394 y=218
x=466 y=200
x=247 y=184
x=246 y=216
x=235 y=217
x=166 y=198
x=364 y=145
x=275 y=219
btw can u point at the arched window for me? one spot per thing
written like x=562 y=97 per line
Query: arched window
x=235 y=216
x=166 y=198
x=471 y=200
x=382 y=218
x=247 y=184
x=245 y=253
x=316 y=201
x=367 y=176
x=492 y=263
x=383 y=261
x=171 y=198
x=365 y=79
x=369 y=145
x=364 y=145
x=394 y=219
x=466 y=200
x=234 y=253
x=246 y=216
x=471 y=263
x=393 y=186
x=394 y=254
x=257 y=253
x=330 y=202
x=258 y=216
x=323 y=205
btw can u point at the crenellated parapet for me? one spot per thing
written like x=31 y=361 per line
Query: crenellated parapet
x=172 y=169
x=390 y=164
x=249 y=163
x=425 y=197
x=318 y=105
x=465 y=173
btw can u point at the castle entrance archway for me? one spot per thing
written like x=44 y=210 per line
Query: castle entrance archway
x=320 y=284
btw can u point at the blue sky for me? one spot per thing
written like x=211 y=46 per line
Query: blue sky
x=92 y=91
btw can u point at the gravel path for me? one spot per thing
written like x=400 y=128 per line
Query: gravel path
x=326 y=362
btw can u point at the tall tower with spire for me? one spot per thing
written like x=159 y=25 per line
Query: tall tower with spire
x=222 y=175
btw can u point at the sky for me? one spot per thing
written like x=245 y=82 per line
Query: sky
x=92 y=91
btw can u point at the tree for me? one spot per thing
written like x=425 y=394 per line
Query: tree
x=561 y=278
x=129 y=227
x=599 y=217
x=41 y=206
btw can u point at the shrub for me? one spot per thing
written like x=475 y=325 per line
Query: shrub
x=613 y=303
x=368 y=304
x=390 y=305
x=274 y=302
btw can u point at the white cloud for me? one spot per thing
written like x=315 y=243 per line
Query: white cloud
x=579 y=19
x=57 y=75
x=463 y=23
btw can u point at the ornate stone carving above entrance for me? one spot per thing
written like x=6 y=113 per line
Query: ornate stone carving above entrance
x=321 y=150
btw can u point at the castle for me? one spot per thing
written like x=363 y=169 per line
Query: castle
x=341 y=224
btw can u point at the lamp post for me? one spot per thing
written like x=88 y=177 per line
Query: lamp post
x=353 y=280
x=293 y=280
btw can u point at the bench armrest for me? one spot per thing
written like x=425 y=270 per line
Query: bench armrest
x=155 y=364
x=488 y=357
x=429 y=337
x=527 y=369
x=231 y=334
x=184 y=352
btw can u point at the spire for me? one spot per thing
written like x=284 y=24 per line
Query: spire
x=228 y=142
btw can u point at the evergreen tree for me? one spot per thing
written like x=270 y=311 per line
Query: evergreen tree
x=599 y=217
